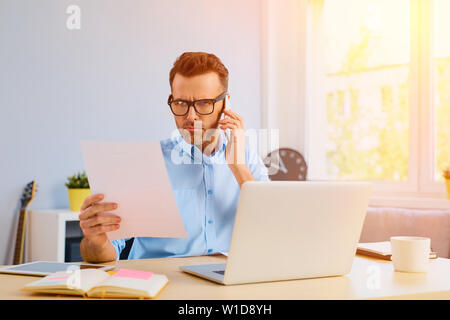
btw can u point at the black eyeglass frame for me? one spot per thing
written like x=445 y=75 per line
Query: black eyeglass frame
x=192 y=104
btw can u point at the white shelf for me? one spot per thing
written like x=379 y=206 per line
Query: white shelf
x=46 y=234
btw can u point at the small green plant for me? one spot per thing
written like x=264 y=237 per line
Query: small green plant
x=78 y=181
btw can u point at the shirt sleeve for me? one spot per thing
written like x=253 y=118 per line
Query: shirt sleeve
x=256 y=165
x=119 y=245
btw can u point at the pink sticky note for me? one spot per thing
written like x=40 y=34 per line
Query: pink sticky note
x=134 y=175
x=134 y=274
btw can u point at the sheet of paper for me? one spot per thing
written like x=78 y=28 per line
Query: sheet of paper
x=134 y=175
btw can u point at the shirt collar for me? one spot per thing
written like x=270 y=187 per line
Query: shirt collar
x=196 y=155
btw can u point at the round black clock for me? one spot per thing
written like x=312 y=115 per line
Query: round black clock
x=286 y=164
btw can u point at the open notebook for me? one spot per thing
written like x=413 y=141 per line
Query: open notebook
x=124 y=283
x=380 y=250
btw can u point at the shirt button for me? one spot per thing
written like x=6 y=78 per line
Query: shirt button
x=210 y=192
x=210 y=221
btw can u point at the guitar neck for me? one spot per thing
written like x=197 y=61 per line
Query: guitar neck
x=20 y=237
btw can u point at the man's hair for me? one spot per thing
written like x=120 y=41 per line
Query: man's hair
x=191 y=64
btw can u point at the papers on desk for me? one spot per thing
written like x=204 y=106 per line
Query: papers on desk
x=380 y=250
x=134 y=175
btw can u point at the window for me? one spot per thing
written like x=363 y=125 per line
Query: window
x=441 y=86
x=379 y=94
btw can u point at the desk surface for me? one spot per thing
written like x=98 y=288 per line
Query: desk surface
x=369 y=279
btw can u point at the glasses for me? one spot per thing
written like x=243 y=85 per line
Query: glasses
x=202 y=106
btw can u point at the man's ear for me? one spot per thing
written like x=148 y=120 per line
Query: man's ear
x=168 y=98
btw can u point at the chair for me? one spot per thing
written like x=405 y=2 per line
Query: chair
x=126 y=251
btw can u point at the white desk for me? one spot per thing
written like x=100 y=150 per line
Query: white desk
x=369 y=279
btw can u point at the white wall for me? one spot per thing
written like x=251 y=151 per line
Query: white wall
x=284 y=34
x=108 y=80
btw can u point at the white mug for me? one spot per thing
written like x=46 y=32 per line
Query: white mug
x=410 y=254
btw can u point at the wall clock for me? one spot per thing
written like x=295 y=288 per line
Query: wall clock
x=286 y=164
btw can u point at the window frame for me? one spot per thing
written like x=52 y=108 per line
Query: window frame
x=421 y=183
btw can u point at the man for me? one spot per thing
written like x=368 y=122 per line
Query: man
x=206 y=168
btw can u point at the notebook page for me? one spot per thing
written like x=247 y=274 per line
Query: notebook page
x=151 y=286
x=72 y=279
x=90 y=277
x=60 y=279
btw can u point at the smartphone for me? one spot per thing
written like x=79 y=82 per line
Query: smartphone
x=226 y=104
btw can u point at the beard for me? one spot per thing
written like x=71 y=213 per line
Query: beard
x=196 y=133
x=203 y=138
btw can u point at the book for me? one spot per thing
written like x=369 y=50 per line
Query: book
x=380 y=250
x=124 y=283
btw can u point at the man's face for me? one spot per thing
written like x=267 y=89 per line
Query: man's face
x=204 y=86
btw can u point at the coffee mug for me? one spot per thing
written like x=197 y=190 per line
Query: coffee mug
x=410 y=254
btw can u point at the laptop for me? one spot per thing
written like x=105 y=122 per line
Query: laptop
x=286 y=230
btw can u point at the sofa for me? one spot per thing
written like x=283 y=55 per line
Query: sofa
x=381 y=223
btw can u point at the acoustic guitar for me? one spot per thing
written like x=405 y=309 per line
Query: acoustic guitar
x=27 y=196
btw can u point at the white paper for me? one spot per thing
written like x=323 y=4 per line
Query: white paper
x=134 y=175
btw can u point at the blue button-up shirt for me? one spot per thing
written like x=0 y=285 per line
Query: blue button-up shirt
x=207 y=195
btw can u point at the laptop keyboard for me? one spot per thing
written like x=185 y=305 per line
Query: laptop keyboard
x=222 y=272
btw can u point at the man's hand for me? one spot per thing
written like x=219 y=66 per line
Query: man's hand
x=235 y=150
x=95 y=222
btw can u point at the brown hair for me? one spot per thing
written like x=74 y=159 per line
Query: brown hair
x=191 y=64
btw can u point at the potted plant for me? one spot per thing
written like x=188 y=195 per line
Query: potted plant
x=78 y=189
x=446 y=176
